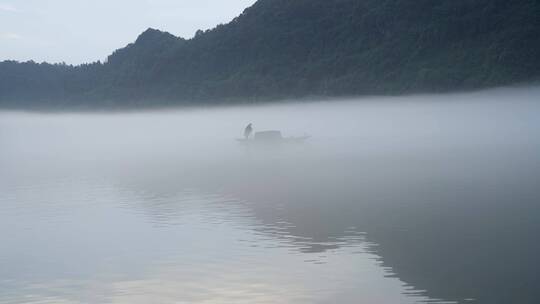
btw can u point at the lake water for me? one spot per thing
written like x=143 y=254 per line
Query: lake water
x=420 y=199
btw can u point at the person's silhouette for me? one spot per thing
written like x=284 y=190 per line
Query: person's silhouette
x=248 y=131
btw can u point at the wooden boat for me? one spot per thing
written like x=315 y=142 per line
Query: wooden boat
x=271 y=138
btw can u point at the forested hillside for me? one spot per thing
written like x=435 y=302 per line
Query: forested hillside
x=298 y=48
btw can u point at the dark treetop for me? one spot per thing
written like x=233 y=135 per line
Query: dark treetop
x=281 y=49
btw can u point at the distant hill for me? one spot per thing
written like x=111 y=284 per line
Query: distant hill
x=299 y=48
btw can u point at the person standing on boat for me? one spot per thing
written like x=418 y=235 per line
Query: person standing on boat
x=248 y=131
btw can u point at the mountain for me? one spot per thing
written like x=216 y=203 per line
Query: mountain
x=280 y=49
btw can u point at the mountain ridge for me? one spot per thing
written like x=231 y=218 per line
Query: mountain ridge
x=279 y=49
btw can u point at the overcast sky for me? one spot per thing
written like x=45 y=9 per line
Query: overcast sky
x=76 y=31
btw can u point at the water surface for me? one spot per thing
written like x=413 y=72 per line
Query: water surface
x=393 y=200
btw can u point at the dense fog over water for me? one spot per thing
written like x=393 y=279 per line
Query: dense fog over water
x=391 y=199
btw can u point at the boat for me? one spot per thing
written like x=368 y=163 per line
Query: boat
x=272 y=137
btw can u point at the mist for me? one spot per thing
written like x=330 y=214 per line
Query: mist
x=433 y=195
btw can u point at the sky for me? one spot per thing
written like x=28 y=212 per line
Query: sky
x=79 y=31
